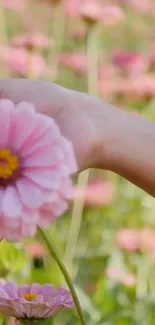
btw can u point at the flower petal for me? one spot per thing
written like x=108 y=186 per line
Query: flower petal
x=48 y=139
x=44 y=158
x=30 y=195
x=11 y=205
x=11 y=290
x=44 y=178
x=47 y=291
x=24 y=124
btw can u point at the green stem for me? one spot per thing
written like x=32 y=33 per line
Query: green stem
x=78 y=206
x=92 y=59
x=65 y=274
x=76 y=220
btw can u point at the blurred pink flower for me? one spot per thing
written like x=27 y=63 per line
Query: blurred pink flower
x=108 y=81
x=139 y=87
x=74 y=61
x=132 y=63
x=23 y=63
x=35 y=167
x=16 y=5
x=72 y=7
x=97 y=193
x=136 y=240
x=36 y=250
x=128 y=239
x=94 y=10
x=142 y=6
x=127 y=279
x=36 y=40
x=2 y=281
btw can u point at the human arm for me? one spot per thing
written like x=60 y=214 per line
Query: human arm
x=103 y=136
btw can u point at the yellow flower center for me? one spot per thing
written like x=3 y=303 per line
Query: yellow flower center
x=8 y=164
x=30 y=296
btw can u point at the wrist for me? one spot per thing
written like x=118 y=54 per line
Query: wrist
x=109 y=122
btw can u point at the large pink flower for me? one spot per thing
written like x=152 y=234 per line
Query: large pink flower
x=34 y=302
x=35 y=167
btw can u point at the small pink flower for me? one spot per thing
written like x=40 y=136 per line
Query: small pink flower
x=21 y=62
x=72 y=8
x=125 y=278
x=35 y=167
x=128 y=239
x=36 y=40
x=108 y=81
x=132 y=63
x=16 y=5
x=96 y=193
x=34 y=302
x=142 y=7
x=74 y=61
x=111 y=15
x=139 y=87
x=94 y=10
x=36 y=250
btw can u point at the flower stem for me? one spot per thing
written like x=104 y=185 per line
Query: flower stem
x=78 y=206
x=65 y=273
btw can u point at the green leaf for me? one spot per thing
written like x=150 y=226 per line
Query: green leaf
x=11 y=256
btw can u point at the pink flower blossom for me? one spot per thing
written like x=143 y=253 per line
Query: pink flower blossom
x=128 y=239
x=16 y=5
x=139 y=87
x=21 y=62
x=136 y=240
x=74 y=61
x=96 y=194
x=94 y=10
x=36 y=40
x=142 y=7
x=33 y=302
x=108 y=15
x=108 y=81
x=36 y=250
x=35 y=167
x=132 y=63
x=127 y=279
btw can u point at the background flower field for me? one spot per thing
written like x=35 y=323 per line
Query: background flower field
x=105 y=48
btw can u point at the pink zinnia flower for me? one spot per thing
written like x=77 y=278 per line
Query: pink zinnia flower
x=36 y=250
x=132 y=63
x=95 y=194
x=94 y=11
x=36 y=40
x=139 y=87
x=23 y=63
x=74 y=61
x=128 y=239
x=34 y=302
x=125 y=278
x=35 y=167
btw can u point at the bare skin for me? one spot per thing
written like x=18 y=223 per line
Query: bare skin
x=102 y=135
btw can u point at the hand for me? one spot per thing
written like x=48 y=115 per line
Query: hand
x=74 y=112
